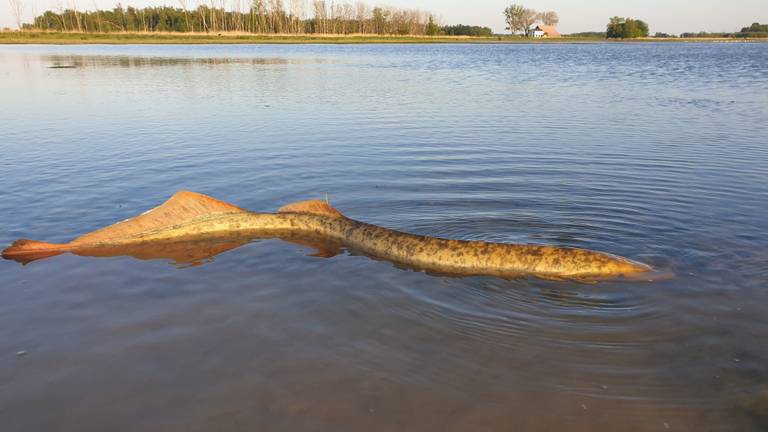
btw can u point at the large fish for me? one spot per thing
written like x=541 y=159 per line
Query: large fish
x=190 y=226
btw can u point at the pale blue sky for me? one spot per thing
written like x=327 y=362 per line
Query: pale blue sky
x=670 y=16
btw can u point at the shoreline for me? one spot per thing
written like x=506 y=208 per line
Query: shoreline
x=61 y=38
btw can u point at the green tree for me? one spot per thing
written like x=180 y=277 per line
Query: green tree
x=379 y=20
x=432 y=28
x=615 y=29
x=756 y=28
x=626 y=28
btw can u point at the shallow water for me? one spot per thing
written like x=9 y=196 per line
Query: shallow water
x=654 y=152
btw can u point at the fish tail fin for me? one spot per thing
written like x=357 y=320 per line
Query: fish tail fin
x=181 y=207
x=25 y=251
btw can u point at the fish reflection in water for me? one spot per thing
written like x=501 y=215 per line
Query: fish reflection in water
x=190 y=252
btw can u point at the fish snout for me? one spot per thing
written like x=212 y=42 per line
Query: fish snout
x=625 y=267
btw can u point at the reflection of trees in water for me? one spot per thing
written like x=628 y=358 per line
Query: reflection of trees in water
x=80 y=61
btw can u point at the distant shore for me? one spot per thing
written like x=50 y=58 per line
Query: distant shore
x=60 y=38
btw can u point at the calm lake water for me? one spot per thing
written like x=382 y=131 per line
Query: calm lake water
x=655 y=152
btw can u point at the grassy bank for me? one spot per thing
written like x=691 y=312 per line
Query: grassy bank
x=58 y=38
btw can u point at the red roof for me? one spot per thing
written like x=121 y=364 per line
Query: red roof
x=551 y=31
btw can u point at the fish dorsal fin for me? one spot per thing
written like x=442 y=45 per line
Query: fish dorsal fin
x=181 y=207
x=311 y=207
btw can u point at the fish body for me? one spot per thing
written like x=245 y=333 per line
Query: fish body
x=191 y=216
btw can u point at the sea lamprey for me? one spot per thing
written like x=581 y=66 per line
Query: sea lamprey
x=192 y=225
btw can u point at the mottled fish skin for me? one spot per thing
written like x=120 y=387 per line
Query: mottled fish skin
x=422 y=252
x=189 y=216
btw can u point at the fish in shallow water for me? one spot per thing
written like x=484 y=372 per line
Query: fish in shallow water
x=190 y=226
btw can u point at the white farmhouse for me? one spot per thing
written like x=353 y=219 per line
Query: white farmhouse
x=541 y=31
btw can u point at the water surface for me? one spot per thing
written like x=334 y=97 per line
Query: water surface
x=654 y=152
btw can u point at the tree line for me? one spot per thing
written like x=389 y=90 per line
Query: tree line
x=756 y=30
x=259 y=16
x=466 y=30
x=626 y=28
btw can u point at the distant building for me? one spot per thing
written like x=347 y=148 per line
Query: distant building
x=542 y=30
